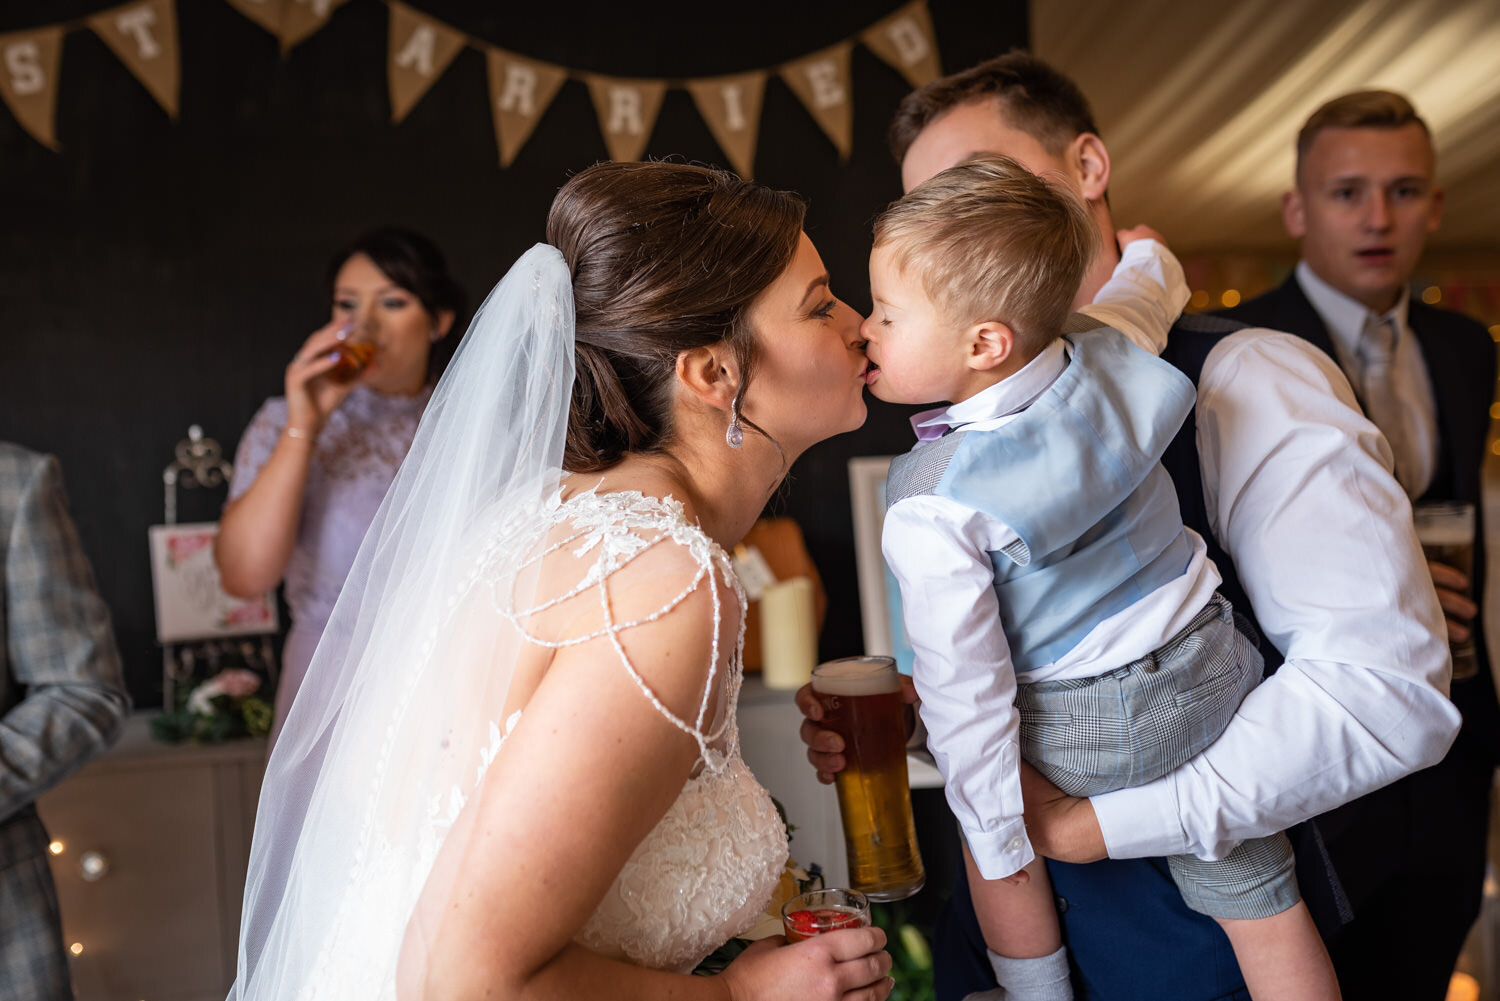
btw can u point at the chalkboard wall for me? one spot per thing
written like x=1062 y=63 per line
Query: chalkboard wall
x=156 y=274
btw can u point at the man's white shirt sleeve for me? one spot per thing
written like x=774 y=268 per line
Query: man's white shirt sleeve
x=938 y=551
x=1300 y=494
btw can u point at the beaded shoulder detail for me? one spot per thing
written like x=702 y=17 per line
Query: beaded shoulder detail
x=607 y=532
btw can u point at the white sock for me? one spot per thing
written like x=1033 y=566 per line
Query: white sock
x=1044 y=978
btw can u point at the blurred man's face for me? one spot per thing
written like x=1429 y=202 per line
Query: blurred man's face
x=976 y=127
x=1364 y=203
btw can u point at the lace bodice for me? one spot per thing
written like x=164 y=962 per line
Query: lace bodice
x=709 y=866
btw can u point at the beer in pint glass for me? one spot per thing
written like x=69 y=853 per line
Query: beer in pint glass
x=1446 y=531
x=861 y=699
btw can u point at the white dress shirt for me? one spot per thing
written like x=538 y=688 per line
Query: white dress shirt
x=938 y=550
x=1348 y=323
x=1300 y=494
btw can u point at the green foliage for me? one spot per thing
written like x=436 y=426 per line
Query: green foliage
x=911 y=956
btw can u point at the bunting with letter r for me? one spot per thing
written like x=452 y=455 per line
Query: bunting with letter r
x=907 y=42
x=144 y=36
x=731 y=107
x=420 y=50
x=520 y=90
x=29 y=61
x=627 y=112
x=821 y=82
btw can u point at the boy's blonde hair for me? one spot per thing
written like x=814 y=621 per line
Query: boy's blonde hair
x=989 y=240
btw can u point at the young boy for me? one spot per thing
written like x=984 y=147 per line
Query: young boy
x=1058 y=608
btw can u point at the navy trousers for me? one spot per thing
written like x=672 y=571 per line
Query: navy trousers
x=1129 y=936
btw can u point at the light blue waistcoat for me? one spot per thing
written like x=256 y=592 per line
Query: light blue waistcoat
x=1078 y=476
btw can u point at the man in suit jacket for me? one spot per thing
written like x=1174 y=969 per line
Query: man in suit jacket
x=1365 y=200
x=62 y=701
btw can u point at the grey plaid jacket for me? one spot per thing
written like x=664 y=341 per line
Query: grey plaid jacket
x=62 y=701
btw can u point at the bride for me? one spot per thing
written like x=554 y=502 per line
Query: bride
x=513 y=770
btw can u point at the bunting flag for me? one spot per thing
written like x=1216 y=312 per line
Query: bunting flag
x=520 y=90
x=627 y=112
x=144 y=36
x=266 y=13
x=731 y=107
x=821 y=82
x=28 y=80
x=301 y=18
x=907 y=42
x=420 y=51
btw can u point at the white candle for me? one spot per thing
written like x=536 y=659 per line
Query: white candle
x=788 y=633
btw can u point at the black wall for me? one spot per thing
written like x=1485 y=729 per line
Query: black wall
x=155 y=274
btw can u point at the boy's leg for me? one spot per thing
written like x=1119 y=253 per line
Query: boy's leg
x=1252 y=893
x=1019 y=921
x=1282 y=957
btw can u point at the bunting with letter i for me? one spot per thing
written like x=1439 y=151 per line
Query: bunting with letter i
x=627 y=112
x=301 y=18
x=266 y=13
x=420 y=50
x=731 y=107
x=144 y=36
x=29 y=61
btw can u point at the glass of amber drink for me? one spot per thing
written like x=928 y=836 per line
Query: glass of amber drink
x=861 y=699
x=820 y=911
x=1446 y=531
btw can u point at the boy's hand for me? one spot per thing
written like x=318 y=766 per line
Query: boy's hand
x=1134 y=233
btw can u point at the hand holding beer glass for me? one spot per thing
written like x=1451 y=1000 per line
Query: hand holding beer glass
x=861 y=702
x=1446 y=531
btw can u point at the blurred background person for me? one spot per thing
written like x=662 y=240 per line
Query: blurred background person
x=62 y=701
x=313 y=465
x=1365 y=199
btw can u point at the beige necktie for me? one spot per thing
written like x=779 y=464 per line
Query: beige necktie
x=1377 y=352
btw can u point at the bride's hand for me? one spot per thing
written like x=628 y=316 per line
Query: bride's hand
x=848 y=965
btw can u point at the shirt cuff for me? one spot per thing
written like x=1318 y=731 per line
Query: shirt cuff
x=1002 y=852
x=1141 y=821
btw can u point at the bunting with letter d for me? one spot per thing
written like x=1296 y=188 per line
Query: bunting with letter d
x=143 y=35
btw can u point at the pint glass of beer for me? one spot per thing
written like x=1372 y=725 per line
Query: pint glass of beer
x=861 y=699
x=1446 y=531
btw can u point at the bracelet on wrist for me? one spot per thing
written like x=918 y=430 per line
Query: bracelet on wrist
x=299 y=433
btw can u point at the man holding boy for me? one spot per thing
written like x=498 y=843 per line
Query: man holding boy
x=1364 y=201
x=1290 y=487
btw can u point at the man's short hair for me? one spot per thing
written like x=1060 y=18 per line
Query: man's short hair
x=1363 y=109
x=1035 y=98
x=989 y=240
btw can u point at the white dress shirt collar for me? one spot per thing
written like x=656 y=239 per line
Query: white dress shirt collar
x=1010 y=395
x=1347 y=319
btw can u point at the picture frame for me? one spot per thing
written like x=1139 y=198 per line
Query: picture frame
x=190 y=601
x=879 y=594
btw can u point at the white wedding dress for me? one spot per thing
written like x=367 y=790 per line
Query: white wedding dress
x=407 y=701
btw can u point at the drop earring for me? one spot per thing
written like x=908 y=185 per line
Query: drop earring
x=734 y=437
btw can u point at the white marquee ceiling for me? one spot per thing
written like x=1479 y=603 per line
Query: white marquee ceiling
x=1200 y=103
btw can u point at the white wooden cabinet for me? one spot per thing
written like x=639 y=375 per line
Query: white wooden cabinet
x=172 y=824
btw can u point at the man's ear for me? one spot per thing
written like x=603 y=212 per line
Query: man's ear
x=1090 y=163
x=1293 y=214
x=711 y=374
x=990 y=344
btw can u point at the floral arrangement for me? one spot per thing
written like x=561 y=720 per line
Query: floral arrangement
x=221 y=708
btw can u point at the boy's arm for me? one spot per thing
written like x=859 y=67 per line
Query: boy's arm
x=938 y=551
x=1144 y=296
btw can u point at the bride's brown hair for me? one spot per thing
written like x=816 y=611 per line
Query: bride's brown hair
x=665 y=257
